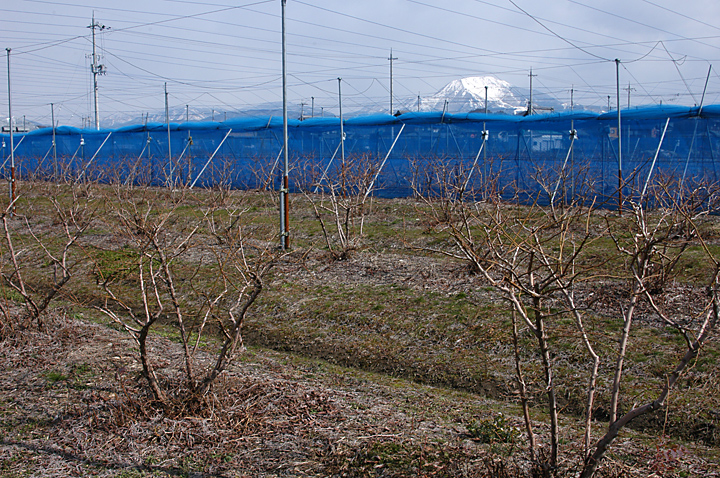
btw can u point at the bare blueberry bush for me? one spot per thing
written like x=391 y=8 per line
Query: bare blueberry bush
x=40 y=257
x=339 y=200
x=187 y=262
x=545 y=260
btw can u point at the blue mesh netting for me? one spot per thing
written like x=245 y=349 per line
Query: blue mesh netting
x=523 y=155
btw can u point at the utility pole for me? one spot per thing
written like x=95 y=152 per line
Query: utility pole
x=391 y=80
x=302 y=110
x=187 y=113
x=95 y=67
x=530 y=103
x=418 y=102
x=285 y=186
x=12 y=143
x=628 y=89
x=608 y=103
x=312 y=106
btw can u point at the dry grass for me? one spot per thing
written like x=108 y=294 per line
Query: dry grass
x=340 y=376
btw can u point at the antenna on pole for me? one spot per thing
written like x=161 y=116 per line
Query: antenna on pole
x=391 y=80
x=96 y=68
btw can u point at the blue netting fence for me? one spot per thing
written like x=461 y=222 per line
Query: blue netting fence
x=530 y=156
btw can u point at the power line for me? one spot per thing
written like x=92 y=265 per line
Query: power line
x=682 y=15
x=638 y=23
x=559 y=36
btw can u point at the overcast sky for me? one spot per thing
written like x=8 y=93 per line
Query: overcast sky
x=226 y=55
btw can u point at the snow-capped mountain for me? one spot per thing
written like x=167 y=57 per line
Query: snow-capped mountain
x=459 y=96
x=468 y=94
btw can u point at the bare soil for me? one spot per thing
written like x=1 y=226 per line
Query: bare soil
x=72 y=403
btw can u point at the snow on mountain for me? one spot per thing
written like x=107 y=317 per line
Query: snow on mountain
x=468 y=94
x=462 y=96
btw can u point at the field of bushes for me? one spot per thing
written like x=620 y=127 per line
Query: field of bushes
x=380 y=344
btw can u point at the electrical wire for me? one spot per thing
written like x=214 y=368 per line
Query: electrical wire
x=675 y=62
x=557 y=35
x=682 y=15
x=637 y=22
x=316 y=54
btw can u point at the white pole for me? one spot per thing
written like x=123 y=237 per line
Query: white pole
x=55 y=163
x=372 y=183
x=12 y=142
x=342 y=131
x=210 y=160
x=652 y=166
x=167 y=120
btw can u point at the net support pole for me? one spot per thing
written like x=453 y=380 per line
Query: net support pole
x=573 y=136
x=54 y=145
x=11 y=156
x=211 y=158
x=619 y=132
x=697 y=119
x=342 y=123
x=477 y=157
x=285 y=184
x=167 y=120
x=82 y=173
x=652 y=166
x=327 y=168
x=12 y=144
